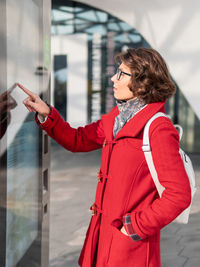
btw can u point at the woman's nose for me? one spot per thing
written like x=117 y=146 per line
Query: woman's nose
x=113 y=78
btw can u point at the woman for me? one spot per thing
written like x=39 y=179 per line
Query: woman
x=127 y=213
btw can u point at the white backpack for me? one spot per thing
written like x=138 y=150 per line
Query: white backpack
x=184 y=216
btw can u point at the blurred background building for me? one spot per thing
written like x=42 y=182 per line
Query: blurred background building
x=86 y=37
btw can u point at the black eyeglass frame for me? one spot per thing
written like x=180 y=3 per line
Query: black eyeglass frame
x=120 y=72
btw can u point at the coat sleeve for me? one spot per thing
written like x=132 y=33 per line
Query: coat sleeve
x=82 y=139
x=164 y=140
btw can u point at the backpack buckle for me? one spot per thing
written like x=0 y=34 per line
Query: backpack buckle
x=146 y=148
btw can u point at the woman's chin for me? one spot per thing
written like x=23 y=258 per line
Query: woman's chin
x=116 y=96
x=119 y=98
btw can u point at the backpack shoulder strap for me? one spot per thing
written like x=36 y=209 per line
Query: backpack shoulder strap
x=147 y=152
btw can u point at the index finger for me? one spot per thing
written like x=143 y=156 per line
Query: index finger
x=4 y=96
x=28 y=92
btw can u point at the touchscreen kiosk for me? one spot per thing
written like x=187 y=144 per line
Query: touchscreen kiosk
x=20 y=137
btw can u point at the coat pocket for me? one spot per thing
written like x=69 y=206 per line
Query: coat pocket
x=126 y=252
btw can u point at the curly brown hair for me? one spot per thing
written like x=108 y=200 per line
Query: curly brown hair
x=150 y=79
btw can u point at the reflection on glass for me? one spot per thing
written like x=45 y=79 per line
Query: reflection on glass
x=22 y=136
x=7 y=103
x=22 y=191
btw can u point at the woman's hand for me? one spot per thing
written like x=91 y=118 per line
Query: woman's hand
x=123 y=230
x=34 y=103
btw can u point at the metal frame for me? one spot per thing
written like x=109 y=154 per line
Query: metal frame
x=3 y=158
x=84 y=23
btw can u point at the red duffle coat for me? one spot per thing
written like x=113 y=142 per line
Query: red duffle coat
x=126 y=186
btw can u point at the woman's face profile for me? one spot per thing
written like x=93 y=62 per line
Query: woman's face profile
x=121 y=84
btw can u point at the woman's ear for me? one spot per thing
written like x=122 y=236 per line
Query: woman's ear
x=130 y=88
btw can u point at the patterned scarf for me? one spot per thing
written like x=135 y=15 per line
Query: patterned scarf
x=127 y=109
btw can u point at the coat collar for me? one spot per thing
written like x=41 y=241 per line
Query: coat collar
x=135 y=125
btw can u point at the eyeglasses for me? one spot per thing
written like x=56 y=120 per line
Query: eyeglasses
x=120 y=72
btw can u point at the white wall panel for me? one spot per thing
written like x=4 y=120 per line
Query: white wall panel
x=75 y=47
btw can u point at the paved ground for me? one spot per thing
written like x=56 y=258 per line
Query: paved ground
x=73 y=183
